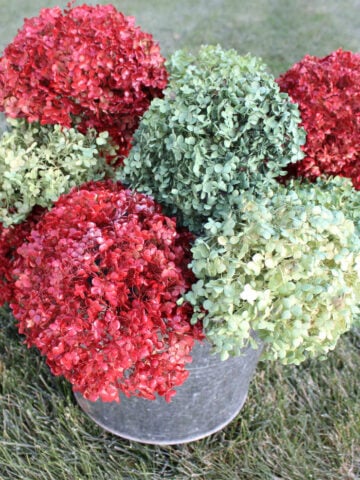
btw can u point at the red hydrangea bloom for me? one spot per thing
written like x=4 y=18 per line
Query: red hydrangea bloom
x=97 y=290
x=10 y=239
x=88 y=66
x=328 y=93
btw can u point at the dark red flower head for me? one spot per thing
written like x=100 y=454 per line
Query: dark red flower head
x=88 y=66
x=328 y=93
x=97 y=290
x=10 y=239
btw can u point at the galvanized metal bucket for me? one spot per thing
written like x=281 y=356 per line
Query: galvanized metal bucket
x=211 y=397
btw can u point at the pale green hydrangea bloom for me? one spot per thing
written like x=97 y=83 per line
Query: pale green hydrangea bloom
x=222 y=127
x=285 y=267
x=39 y=163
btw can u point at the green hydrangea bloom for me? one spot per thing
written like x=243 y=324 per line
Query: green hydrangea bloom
x=286 y=267
x=39 y=163
x=222 y=127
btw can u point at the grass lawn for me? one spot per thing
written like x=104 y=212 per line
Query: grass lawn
x=299 y=423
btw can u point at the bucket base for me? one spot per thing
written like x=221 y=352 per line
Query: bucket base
x=211 y=397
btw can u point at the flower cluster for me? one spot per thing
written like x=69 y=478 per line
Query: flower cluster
x=285 y=266
x=106 y=286
x=328 y=93
x=39 y=163
x=222 y=127
x=10 y=239
x=98 y=282
x=88 y=66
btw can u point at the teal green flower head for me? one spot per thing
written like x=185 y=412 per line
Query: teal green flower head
x=222 y=128
x=286 y=267
x=39 y=163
